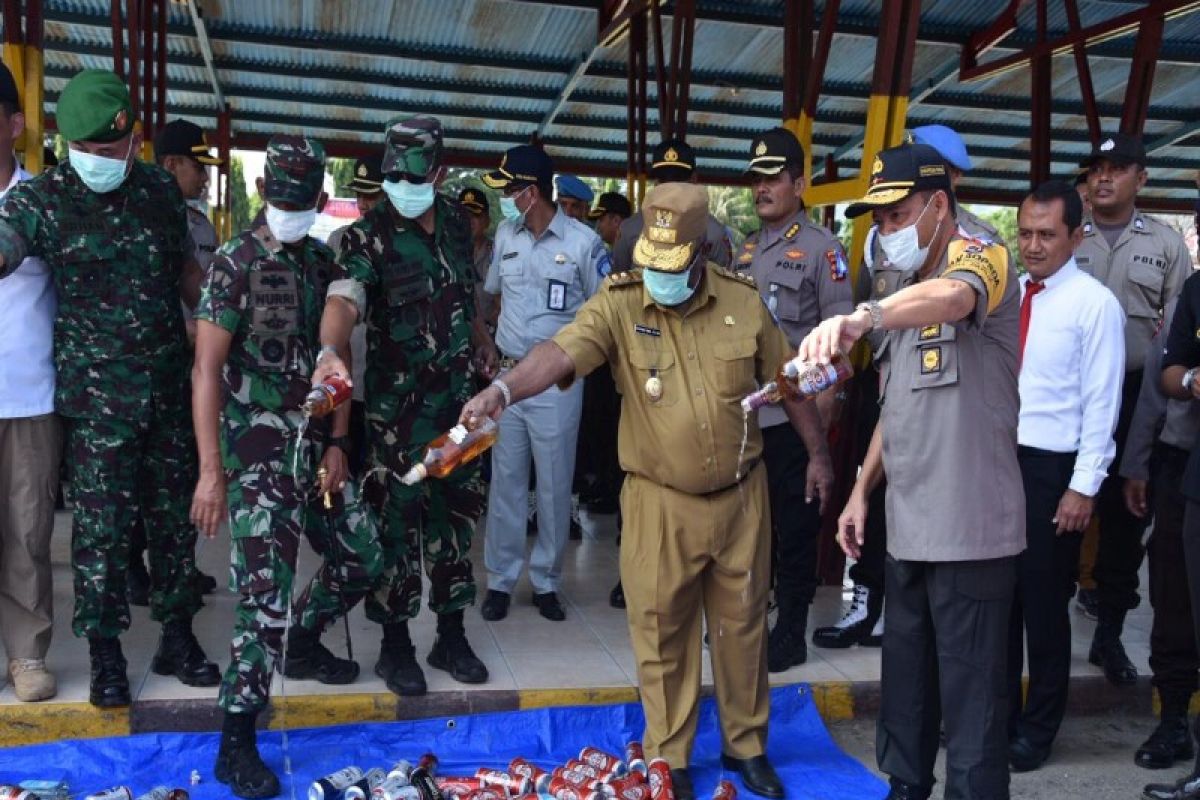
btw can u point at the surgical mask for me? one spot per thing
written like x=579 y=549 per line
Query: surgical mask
x=100 y=173
x=410 y=200
x=290 y=227
x=903 y=248
x=668 y=288
x=508 y=207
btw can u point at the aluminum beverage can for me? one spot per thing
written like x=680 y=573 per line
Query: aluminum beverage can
x=576 y=778
x=451 y=787
x=637 y=791
x=115 y=793
x=659 y=777
x=561 y=789
x=725 y=791
x=46 y=790
x=429 y=763
x=403 y=769
x=605 y=762
x=626 y=781
x=165 y=793
x=361 y=788
x=526 y=769
x=635 y=757
x=575 y=765
x=497 y=779
x=395 y=787
x=424 y=783
x=16 y=793
x=487 y=794
x=334 y=784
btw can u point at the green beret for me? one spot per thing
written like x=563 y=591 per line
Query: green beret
x=94 y=107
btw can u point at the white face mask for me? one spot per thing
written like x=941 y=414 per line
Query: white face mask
x=903 y=248
x=101 y=174
x=290 y=226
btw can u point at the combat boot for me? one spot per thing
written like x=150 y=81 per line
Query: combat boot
x=179 y=654
x=786 y=647
x=1171 y=741
x=397 y=663
x=110 y=685
x=452 y=653
x=308 y=659
x=857 y=624
x=1108 y=653
x=238 y=762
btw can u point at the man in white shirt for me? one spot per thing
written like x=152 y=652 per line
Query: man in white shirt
x=1072 y=362
x=30 y=444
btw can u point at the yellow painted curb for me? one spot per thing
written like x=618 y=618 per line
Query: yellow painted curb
x=545 y=698
x=313 y=711
x=834 y=700
x=33 y=723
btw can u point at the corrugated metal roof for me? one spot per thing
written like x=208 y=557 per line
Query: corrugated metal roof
x=492 y=70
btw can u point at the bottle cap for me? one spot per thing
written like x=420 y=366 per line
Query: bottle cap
x=414 y=475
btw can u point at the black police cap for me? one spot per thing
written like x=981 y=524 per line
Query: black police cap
x=474 y=200
x=611 y=203
x=671 y=161
x=1119 y=148
x=182 y=138
x=368 y=176
x=899 y=172
x=773 y=151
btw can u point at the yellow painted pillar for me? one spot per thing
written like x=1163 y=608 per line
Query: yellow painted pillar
x=14 y=59
x=32 y=99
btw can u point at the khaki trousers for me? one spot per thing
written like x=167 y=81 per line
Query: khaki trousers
x=30 y=450
x=683 y=555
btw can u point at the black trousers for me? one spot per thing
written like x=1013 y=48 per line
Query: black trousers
x=1173 y=655
x=868 y=569
x=795 y=524
x=1046 y=575
x=1120 y=553
x=1191 y=554
x=944 y=654
x=596 y=459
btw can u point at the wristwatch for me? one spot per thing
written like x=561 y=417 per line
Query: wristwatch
x=325 y=348
x=343 y=443
x=874 y=310
x=1188 y=378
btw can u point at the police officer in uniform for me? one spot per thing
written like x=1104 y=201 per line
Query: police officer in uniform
x=257 y=321
x=406 y=268
x=545 y=265
x=863 y=621
x=802 y=275
x=1144 y=263
x=672 y=161
x=612 y=209
x=479 y=213
x=955 y=503
x=686 y=340
x=574 y=197
x=114 y=232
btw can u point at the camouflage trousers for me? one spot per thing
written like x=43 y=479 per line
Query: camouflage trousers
x=267 y=517
x=433 y=522
x=118 y=471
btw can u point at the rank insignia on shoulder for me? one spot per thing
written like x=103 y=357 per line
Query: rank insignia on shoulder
x=838 y=268
x=749 y=245
x=931 y=360
x=792 y=231
x=745 y=258
x=930 y=332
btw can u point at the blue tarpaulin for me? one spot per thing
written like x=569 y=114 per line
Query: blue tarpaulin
x=810 y=764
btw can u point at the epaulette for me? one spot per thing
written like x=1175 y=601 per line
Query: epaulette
x=792 y=230
x=737 y=277
x=628 y=277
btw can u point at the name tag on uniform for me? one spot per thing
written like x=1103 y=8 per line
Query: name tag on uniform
x=556 y=296
x=507 y=256
x=646 y=330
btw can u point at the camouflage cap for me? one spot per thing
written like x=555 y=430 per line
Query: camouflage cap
x=94 y=107
x=412 y=146
x=295 y=171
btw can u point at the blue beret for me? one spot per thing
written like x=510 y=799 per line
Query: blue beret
x=947 y=142
x=570 y=186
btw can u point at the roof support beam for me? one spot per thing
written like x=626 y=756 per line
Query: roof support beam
x=1040 y=81
x=1086 y=92
x=205 y=52
x=1177 y=135
x=1110 y=29
x=1141 y=75
x=984 y=40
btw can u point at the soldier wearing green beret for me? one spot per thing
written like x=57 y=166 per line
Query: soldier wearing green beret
x=256 y=343
x=114 y=232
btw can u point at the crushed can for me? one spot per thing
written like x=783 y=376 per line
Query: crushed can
x=424 y=783
x=487 y=794
x=725 y=791
x=16 y=793
x=402 y=768
x=395 y=787
x=526 y=769
x=605 y=762
x=361 y=788
x=165 y=793
x=451 y=787
x=635 y=757
x=510 y=783
x=333 y=785
x=659 y=777
x=115 y=793
x=575 y=765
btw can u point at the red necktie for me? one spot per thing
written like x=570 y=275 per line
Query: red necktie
x=1032 y=288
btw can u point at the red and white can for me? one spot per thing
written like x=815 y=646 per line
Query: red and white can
x=624 y=782
x=526 y=769
x=592 y=771
x=510 y=783
x=659 y=777
x=606 y=762
x=637 y=791
x=561 y=789
x=725 y=791
x=635 y=757
x=487 y=794
x=457 y=787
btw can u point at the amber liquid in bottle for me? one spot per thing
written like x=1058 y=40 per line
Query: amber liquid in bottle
x=452 y=449
x=800 y=381
x=325 y=397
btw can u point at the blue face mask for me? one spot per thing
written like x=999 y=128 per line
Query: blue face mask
x=668 y=288
x=508 y=207
x=410 y=200
x=100 y=174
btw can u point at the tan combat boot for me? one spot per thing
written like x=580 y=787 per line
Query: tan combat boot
x=31 y=680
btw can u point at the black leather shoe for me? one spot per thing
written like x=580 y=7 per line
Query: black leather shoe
x=109 y=683
x=207 y=584
x=549 y=607
x=1170 y=742
x=899 y=790
x=495 y=605
x=1109 y=655
x=681 y=782
x=179 y=654
x=616 y=598
x=1025 y=756
x=757 y=773
x=785 y=649
x=1184 y=789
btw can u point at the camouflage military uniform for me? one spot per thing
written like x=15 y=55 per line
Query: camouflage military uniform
x=419 y=305
x=122 y=360
x=270 y=297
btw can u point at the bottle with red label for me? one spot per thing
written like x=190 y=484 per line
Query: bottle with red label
x=800 y=380
x=323 y=398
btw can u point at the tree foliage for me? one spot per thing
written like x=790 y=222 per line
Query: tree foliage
x=244 y=205
x=342 y=171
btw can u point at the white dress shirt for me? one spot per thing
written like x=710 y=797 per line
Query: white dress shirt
x=1071 y=373
x=27 y=309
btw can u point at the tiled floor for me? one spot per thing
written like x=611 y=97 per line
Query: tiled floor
x=590 y=649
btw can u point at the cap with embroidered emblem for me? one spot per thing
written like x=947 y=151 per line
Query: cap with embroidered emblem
x=1119 y=148
x=771 y=152
x=294 y=171
x=611 y=203
x=672 y=160
x=180 y=137
x=899 y=172
x=474 y=200
x=367 y=177
x=94 y=106
x=675 y=217
x=523 y=164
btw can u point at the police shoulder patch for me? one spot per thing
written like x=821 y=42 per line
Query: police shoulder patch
x=984 y=260
x=792 y=230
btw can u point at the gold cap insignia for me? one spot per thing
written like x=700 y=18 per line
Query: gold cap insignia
x=761 y=150
x=671 y=155
x=362 y=170
x=877 y=167
x=120 y=119
x=662 y=218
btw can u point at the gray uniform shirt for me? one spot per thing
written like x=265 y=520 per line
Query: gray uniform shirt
x=1181 y=425
x=204 y=238
x=542 y=282
x=1144 y=269
x=717 y=247
x=802 y=275
x=949 y=415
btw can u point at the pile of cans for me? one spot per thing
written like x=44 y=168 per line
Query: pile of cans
x=58 y=790
x=593 y=775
